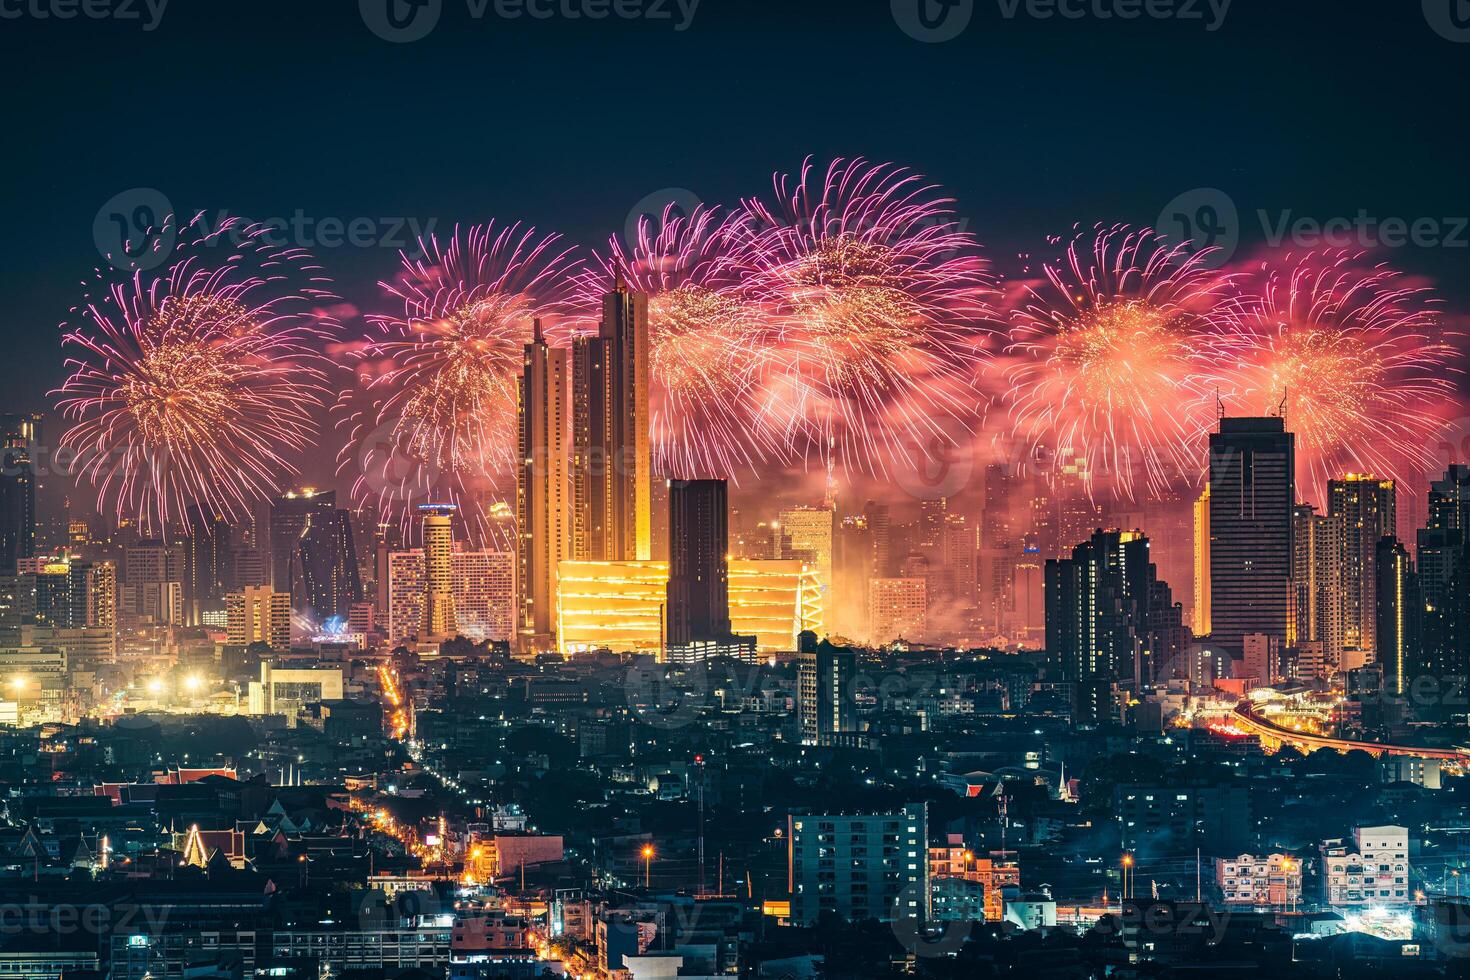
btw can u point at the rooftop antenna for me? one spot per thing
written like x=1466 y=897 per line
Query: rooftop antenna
x=1219 y=404
x=1281 y=409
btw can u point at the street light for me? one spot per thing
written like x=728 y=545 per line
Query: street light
x=647 y=865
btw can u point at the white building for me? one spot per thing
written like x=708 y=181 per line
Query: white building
x=1373 y=870
x=284 y=692
x=1260 y=881
x=484 y=591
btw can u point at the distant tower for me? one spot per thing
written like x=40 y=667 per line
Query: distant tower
x=438 y=531
x=17 y=491
x=543 y=515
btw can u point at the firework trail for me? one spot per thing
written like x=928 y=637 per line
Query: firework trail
x=706 y=342
x=432 y=416
x=192 y=387
x=1352 y=353
x=877 y=312
x=1104 y=358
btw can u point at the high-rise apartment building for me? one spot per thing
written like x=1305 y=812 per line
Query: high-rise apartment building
x=1201 y=619
x=438 y=621
x=1367 y=509
x=206 y=564
x=825 y=693
x=612 y=460
x=898 y=609
x=1252 y=497
x=1097 y=619
x=1444 y=575
x=313 y=557
x=859 y=866
x=543 y=514
x=1399 y=613
x=482 y=586
x=259 y=615
x=17 y=491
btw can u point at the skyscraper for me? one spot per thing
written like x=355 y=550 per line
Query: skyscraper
x=206 y=565
x=810 y=531
x=825 y=696
x=17 y=491
x=1317 y=583
x=1367 y=509
x=612 y=461
x=438 y=531
x=1398 y=611
x=312 y=554
x=1252 y=495
x=542 y=511
x=1444 y=574
x=1097 y=619
x=1201 y=618
x=699 y=574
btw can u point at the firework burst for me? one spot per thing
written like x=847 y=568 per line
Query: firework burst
x=705 y=341
x=1354 y=356
x=1103 y=360
x=433 y=414
x=877 y=309
x=193 y=387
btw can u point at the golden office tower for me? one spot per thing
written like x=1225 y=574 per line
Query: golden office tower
x=612 y=459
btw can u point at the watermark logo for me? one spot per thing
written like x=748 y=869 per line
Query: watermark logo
x=663 y=696
x=933 y=21
x=1450 y=19
x=652 y=209
x=132 y=231
x=401 y=21
x=936 y=459
x=1207 y=218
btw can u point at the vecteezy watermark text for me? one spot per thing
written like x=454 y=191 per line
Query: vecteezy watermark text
x=935 y=21
x=149 y=13
x=404 y=21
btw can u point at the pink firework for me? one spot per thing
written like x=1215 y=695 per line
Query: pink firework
x=705 y=341
x=194 y=387
x=1352 y=354
x=432 y=417
x=1103 y=360
x=877 y=310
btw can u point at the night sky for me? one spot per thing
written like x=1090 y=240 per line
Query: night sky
x=1318 y=107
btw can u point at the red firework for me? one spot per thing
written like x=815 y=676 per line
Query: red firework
x=433 y=413
x=1103 y=363
x=193 y=387
x=1353 y=354
x=706 y=341
x=877 y=311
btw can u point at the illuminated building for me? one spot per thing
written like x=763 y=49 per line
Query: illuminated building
x=437 y=620
x=1373 y=871
x=1399 y=612
x=1274 y=880
x=612 y=460
x=542 y=514
x=1261 y=658
x=1097 y=619
x=283 y=692
x=825 y=698
x=482 y=585
x=312 y=554
x=1252 y=497
x=898 y=609
x=17 y=491
x=619 y=605
x=206 y=565
x=153 y=583
x=1317 y=583
x=1366 y=508
x=809 y=533
x=859 y=867
x=259 y=615
x=1444 y=574
x=1201 y=618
